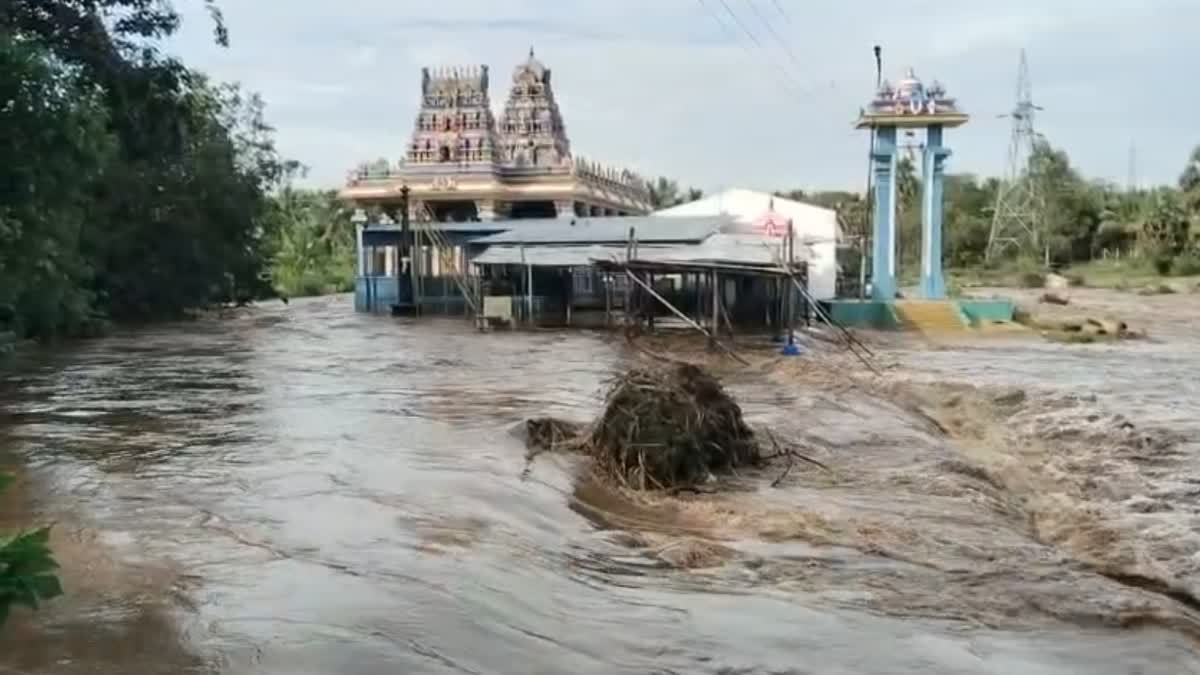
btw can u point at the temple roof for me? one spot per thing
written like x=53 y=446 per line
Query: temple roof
x=531 y=67
x=911 y=104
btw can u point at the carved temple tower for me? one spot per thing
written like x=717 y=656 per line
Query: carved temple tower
x=461 y=165
x=455 y=123
x=531 y=128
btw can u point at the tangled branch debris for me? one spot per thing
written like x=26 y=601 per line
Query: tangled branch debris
x=671 y=427
x=667 y=427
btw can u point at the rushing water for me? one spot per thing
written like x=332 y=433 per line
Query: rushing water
x=305 y=490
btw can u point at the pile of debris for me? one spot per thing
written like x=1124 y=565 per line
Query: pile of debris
x=661 y=428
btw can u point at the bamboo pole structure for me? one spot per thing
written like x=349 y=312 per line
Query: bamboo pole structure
x=685 y=318
x=629 y=253
x=716 y=302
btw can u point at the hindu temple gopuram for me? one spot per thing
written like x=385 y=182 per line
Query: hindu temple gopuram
x=461 y=164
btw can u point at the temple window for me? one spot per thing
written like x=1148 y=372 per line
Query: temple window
x=445 y=156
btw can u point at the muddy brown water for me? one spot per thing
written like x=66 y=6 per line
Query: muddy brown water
x=305 y=490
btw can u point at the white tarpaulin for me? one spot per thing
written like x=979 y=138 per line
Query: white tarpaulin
x=761 y=216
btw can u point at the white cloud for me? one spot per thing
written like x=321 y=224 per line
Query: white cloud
x=663 y=87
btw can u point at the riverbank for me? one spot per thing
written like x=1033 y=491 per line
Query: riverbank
x=1124 y=276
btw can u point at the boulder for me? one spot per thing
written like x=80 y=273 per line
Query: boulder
x=1057 y=282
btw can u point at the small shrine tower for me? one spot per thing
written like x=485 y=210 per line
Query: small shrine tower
x=909 y=105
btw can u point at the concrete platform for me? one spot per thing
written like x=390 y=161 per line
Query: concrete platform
x=935 y=316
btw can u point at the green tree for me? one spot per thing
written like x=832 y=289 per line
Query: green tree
x=908 y=213
x=1189 y=180
x=1072 y=210
x=169 y=174
x=967 y=219
x=1189 y=183
x=311 y=243
x=27 y=568
x=1164 y=228
x=665 y=193
x=55 y=145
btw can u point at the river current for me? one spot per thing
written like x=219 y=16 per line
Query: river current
x=299 y=489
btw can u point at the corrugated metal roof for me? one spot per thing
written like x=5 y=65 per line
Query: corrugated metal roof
x=608 y=230
x=554 y=256
x=483 y=227
x=745 y=249
x=742 y=249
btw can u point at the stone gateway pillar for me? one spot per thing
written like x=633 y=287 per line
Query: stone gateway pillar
x=883 y=266
x=933 y=168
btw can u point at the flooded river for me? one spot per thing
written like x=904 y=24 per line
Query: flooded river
x=299 y=489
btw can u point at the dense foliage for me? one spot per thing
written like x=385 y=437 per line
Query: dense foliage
x=665 y=193
x=310 y=243
x=132 y=187
x=1078 y=220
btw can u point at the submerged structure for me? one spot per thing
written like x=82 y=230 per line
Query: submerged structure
x=463 y=164
x=496 y=219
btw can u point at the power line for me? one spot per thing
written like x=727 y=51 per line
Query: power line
x=771 y=29
x=782 y=75
x=782 y=12
x=788 y=81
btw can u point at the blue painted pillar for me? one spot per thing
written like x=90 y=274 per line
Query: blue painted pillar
x=883 y=266
x=360 y=270
x=933 y=283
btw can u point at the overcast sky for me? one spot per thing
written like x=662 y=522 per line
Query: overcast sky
x=676 y=88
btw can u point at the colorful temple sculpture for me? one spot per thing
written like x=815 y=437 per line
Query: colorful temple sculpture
x=463 y=165
x=909 y=105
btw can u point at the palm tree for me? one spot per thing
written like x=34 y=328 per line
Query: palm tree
x=664 y=192
x=908 y=188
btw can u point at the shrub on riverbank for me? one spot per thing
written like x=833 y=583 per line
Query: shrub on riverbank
x=27 y=567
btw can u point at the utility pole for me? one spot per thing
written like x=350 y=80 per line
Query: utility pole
x=408 y=239
x=1017 y=220
x=864 y=240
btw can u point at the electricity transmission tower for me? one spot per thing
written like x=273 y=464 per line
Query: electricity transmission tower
x=1017 y=218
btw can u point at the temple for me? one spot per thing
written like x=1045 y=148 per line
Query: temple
x=909 y=105
x=462 y=165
